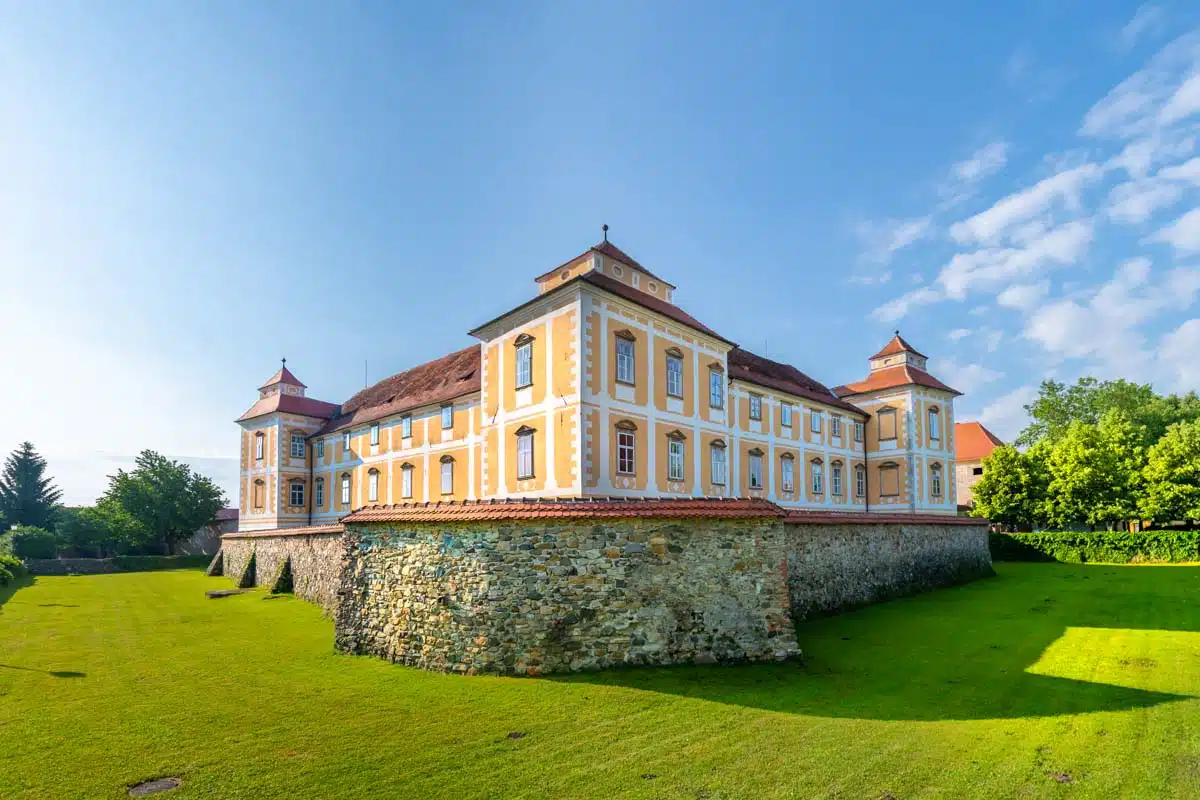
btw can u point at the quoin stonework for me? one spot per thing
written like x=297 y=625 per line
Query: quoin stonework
x=601 y=386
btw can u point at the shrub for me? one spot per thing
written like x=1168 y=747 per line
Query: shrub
x=30 y=542
x=11 y=568
x=1113 y=547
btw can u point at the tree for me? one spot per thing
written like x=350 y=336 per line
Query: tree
x=1058 y=405
x=103 y=530
x=161 y=500
x=1172 y=475
x=27 y=496
x=1012 y=490
x=1096 y=472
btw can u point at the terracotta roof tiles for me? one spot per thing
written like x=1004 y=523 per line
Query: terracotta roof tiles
x=290 y=404
x=307 y=531
x=649 y=301
x=891 y=378
x=746 y=366
x=612 y=251
x=973 y=442
x=283 y=375
x=896 y=346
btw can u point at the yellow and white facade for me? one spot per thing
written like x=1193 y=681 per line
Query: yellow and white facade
x=602 y=386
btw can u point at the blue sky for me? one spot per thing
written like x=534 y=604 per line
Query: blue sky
x=190 y=191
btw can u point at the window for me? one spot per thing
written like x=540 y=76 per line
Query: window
x=717 y=462
x=889 y=479
x=259 y=443
x=756 y=473
x=346 y=490
x=818 y=478
x=835 y=479
x=835 y=426
x=297 y=445
x=976 y=470
x=785 y=415
x=346 y=443
x=320 y=492
x=447 y=416
x=814 y=421
x=447 y=475
x=675 y=372
x=858 y=431
x=260 y=493
x=624 y=359
x=788 y=470
x=716 y=389
x=860 y=481
x=406 y=473
x=406 y=427
x=935 y=424
x=626 y=464
x=524 y=344
x=887 y=424
x=524 y=453
x=755 y=406
x=375 y=435
x=321 y=449
x=373 y=486
x=675 y=451
x=935 y=480
x=296 y=493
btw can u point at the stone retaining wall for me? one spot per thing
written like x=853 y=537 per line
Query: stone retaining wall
x=316 y=560
x=835 y=566
x=528 y=597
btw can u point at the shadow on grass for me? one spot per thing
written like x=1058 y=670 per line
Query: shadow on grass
x=6 y=592
x=50 y=672
x=956 y=654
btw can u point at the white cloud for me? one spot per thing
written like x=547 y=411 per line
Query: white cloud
x=1133 y=107
x=992 y=340
x=1023 y=295
x=897 y=308
x=1136 y=201
x=958 y=333
x=1188 y=171
x=984 y=162
x=882 y=240
x=1183 y=234
x=1183 y=103
x=1177 y=350
x=992 y=224
x=992 y=266
x=1006 y=416
x=966 y=378
x=1147 y=21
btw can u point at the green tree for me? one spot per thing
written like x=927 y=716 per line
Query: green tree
x=1012 y=491
x=160 y=501
x=27 y=495
x=103 y=530
x=31 y=542
x=1058 y=405
x=1096 y=472
x=1172 y=475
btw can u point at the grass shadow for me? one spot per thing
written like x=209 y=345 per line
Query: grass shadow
x=6 y=592
x=52 y=673
x=955 y=654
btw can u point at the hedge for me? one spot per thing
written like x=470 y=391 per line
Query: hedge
x=1111 y=547
x=11 y=568
x=100 y=566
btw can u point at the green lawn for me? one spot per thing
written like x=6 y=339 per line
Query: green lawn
x=1046 y=681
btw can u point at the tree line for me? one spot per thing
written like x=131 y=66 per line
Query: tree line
x=147 y=510
x=1097 y=454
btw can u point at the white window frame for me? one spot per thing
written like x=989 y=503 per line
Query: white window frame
x=718 y=465
x=375 y=434
x=626 y=452
x=626 y=355
x=406 y=427
x=756 y=471
x=935 y=481
x=321 y=448
x=373 y=486
x=295 y=489
x=814 y=420
x=818 y=478
x=675 y=460
x=448 y=477
x=525 y=455
x=835 y=426
x=674 y=376
x=716 y=389
x=859 y=429
x=524 y=365
x=787 y=467
x=785 y=415
x=756 y=407
x=406 y=481
x=935 y=425
x=297 y=439
x=447 y=417
x=320 y=490
x=346 y=495
x=860 y=481
x=835 y=480
x=259 y=446
x=346 y=443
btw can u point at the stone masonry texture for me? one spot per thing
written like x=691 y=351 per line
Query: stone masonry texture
x=316 y=562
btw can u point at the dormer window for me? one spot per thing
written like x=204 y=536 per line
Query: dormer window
x=524 y=367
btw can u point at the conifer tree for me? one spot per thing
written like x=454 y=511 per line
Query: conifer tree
x=27 y=495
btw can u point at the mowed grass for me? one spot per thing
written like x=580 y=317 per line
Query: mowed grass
x=1046 y=681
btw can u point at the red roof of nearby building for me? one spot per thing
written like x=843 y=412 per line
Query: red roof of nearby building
x=612 y=251
x=433 y=382
x=973 y=442
x=746 y=366
x=587 y=508
x=891 y=378
x=283 y=375
x=290 y=404
x=897 y=345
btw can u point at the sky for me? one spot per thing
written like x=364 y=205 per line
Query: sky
x=191 y=191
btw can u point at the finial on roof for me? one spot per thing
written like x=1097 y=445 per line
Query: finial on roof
x=284 y=360
x=897 y=331
x=604 y=228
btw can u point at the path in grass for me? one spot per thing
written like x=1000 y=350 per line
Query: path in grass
x=1049 y=680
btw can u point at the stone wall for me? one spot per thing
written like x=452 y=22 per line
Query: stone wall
x=529 y=597
x=834 y=566
x=316 y=559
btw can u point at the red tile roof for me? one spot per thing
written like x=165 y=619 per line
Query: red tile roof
x=309 y=531
x=973 y=442
x=290 y=404
x=804 y=517
x=891 y=378
x=651 y=302
x=609 y=249
x=897 y=345
x=433 y=382
x=283 y=375
x=586 y=508
x=746 y=366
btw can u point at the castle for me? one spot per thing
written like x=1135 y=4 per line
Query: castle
x=601 y=386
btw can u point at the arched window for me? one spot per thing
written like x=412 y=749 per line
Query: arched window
x=935 y=424
x=716 y=455
x=373 y=486
x=447 y=474
x=345 y=490
x=406 y=481
x=935 y=480
x=320 y=499
x=259 y=495
x=296 y=492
